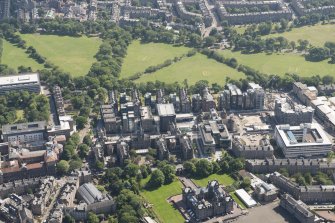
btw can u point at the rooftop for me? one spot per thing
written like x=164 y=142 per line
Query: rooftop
x=19 y=79
x=165 y=110
x=23 y=127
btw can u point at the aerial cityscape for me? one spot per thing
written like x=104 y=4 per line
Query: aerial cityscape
x=167 y=111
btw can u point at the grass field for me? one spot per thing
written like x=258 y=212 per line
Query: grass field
x=223 y=179
x=72 y=54
x=158 y=198
x=282 y=63
x=237 y=200
x=195 y=68
x=141 y=56
x=19 y=114
x=15 y=57
x=317 y=35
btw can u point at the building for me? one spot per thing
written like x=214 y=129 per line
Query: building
x=41 y=198
x=196 y=103
x=185 y=103
x=208 y=102
x=214 y=135
x=23 y=82
x=265 y=192
x=320 y=194
x=166 y=115
x=147 y=119
x=297 y=208
x=15 y=209
x=4 y=9
x=245 y=198
x=234 y=99
x=122 y=152
x=111 y=122
x=208 y=202
x=291 y=165
x=95 y=201
x=24 y=132
x=59 y=102
x=162 y=149
x=186 y=148
x=293 y=115
x=242 y=148
x=305 y=140
x=276 y=11
x=305 y=93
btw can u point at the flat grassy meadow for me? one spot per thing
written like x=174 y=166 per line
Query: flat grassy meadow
x=72 y=54
x=165 y=211
x=281 y=63
x=141 y=56
x=14 y=57
x=317 y=35
x=194 y=68
x=223 y=179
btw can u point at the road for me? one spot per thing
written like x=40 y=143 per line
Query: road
x=215 y=23
x=54 y=199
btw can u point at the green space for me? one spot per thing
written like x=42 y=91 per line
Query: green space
x=72 y=54
x=14 y=57
x=194 y=68
x=237 y=200
x=281 y=63
x=165 y=211
x=223 y=179
x=19 y=114
x=317 y=35
x=141 y=56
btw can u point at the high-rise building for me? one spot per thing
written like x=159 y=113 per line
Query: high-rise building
x=4 y=9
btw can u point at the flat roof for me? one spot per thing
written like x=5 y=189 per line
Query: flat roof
x=165 y=110
x=246 y=198
x=23 y=127
x=19 y=79
x=286 y=132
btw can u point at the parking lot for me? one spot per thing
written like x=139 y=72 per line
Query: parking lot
x=267 y=213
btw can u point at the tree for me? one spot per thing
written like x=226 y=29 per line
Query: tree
x=83 y=150
x=81 y=122
x=189 y=168
x=92 y=218
x=99 y=165
x=87 y=140
x=68 y=219
x=204 y=168
x=75 y=164
x=62 y=167
x=157 y=179
x=246 y=183
x=327 y=79
x=169 y=173
x=330 y=157
x=209 y=41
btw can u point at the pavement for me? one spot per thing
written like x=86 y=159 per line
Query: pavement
x=271 y=212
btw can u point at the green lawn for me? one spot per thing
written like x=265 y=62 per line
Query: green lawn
x=158 y=198
x=141 y=56
x=237 y=200
x=15 y=57
x=223 y=179
x=317 y=35
x=195 y=68
x=282 y=63
x=72 y=54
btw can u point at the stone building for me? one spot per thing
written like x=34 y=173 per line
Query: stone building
x=297 y=208
x=208 y=202
x=291 y=165
x=207 y=101
x=186 y=147
x=286 y=113
x=311 y=194
x=261 y=151
x=41 y=198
